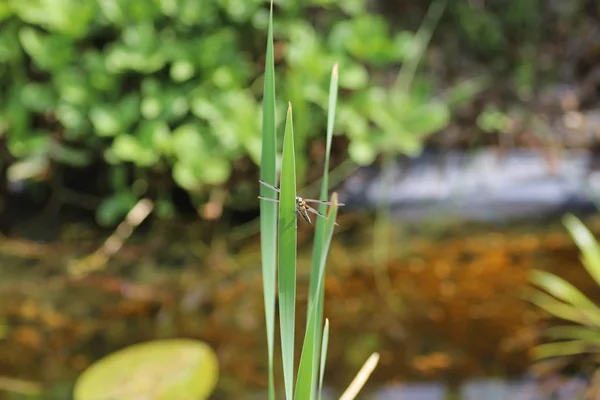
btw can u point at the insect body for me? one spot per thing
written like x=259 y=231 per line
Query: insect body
x=302 y=209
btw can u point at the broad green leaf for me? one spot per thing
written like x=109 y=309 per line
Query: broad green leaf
x=129 y=148
x=362 y=152
x=185 y=177
x=426 y=119
x=182 y=70
x=188 y=143
x=38 y=97
x=214 y=170
x=49 y=52
x=38 y=143
x=158 y=370
x=105 y=120
x=355 y=77
x=68 y=155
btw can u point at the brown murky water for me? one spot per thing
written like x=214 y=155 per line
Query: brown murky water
x=445 y=307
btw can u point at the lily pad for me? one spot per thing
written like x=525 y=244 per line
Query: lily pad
x=181 y=369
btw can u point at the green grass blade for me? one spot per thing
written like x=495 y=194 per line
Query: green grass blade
x=313 y=295
x=556 y=307
x=588 y=245
x=310 y=348
x=268 y=210
x=323 y=358
x=561 y=349
x=320 y=223
x=573 y=332
x=287 y=254
x=305 y=381
x=566 y=292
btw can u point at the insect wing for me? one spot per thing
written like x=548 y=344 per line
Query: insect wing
x=327 y=203
x=312 y=210
x=269 y=186
x=269 y=199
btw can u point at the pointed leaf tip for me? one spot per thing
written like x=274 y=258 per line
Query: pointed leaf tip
x=334 y=198
x=335 y=69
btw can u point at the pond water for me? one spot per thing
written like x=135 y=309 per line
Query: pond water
x=444 y=309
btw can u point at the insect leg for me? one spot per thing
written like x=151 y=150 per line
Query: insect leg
x=269 y=186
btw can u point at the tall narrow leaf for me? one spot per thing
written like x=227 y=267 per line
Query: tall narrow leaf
x=314 y=296
x=310 y=348
x=268 y=210
x=287 y=254
x=324 y=346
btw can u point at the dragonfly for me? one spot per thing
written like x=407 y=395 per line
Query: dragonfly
x=302 y=209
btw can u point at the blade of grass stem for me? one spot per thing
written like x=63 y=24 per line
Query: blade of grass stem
x=268 y=210
x=287 y=255
x=323 y=358
x=314 y=296
x=306 y=384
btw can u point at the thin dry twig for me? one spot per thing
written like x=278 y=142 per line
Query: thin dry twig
x=361 y=378
x=114 y=243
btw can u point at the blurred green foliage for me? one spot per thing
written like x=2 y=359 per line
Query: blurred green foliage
x=579 y=331
x=171 y=87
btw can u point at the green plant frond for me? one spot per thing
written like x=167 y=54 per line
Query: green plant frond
x=571 y=332
x=562 y=349
x=588 y=245
x=565 y=291
x=560 y=309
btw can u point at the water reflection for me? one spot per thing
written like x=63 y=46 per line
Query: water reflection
x=555 y=388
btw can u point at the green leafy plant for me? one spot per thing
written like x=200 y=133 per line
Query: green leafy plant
x=168 y=90
x=279 y=247
x=562 y=300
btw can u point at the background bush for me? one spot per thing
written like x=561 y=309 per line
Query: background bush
x=148 y=96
